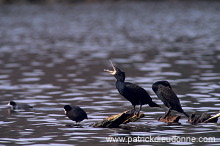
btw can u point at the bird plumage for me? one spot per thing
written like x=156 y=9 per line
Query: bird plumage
x=165 y=93
x=135 y=94
x=19 y=106
x=75 y=113
x=132 y=92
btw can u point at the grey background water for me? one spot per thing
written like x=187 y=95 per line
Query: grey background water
x=52 y=55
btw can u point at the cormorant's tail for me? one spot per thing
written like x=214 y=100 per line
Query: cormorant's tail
x=153 y=104
x=185 y=114
x=182 y=111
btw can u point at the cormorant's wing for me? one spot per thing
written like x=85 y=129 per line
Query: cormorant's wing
x=169 y=96
x=134 y=89
x=137 y=95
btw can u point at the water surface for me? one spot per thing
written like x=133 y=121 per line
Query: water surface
x=52 y=55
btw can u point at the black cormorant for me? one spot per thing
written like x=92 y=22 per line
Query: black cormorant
x=165 y=93
x=20 y=106
x=132 y=92
x=75 y=113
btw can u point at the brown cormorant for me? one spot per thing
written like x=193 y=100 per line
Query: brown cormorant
x=165 y=93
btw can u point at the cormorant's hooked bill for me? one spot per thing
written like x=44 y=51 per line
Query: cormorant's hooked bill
x=114 y=71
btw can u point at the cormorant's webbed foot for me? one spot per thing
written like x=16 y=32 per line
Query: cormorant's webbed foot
x=133 y=111
x=137 y=113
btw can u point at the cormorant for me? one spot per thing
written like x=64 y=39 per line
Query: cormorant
x=165 y=93
x=75 y=113
x=132 y=92
x=15 y=106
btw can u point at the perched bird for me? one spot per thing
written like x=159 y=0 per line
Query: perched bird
x=132 y=92
x=75 y=113
x=165 y=93
x=20 y=106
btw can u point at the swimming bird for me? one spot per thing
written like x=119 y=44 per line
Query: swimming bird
x=132 y=92
x=20 y=106
x=165 y=93
x=75 y=113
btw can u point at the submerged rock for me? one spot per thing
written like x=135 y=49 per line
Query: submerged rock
x=168 y=118
x=196 y=118
x=116 y=120
x=213 y=118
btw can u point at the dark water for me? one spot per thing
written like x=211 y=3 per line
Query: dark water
x=54 y=55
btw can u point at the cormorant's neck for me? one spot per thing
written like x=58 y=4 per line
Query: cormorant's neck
x=120 y=77
x=120 y=80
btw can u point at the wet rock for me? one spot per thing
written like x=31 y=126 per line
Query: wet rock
x=168 y=118
x=116 y=120
x=197 y=117
x=213 y=118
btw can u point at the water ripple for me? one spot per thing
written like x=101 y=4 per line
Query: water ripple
x=58 y=56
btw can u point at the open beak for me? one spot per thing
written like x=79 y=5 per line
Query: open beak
x=113 y=72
